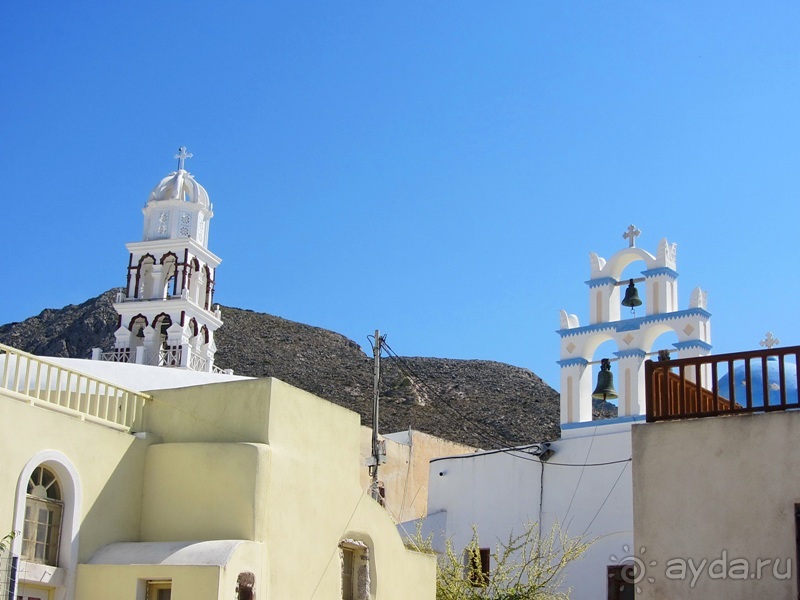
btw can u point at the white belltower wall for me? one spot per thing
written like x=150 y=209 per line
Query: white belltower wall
x=634 y=336
x=166 y=314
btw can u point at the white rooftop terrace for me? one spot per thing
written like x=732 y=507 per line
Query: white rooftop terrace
x=107 y=393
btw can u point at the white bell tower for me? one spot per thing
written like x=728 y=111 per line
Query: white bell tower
x=166 y=315
x=633 y=335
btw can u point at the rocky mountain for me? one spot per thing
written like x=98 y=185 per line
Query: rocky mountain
x=482 y=403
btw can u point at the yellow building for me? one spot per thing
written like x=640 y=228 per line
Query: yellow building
x=404 y=477
x=195 y=490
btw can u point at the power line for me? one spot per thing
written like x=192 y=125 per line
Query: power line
x=480 y=430
x=611 y=491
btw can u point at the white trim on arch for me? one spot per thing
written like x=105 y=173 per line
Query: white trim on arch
x=64 y=577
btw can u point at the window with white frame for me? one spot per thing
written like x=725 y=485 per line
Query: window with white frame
x=44 y=507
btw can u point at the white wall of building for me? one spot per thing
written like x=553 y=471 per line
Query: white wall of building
x=499 y=492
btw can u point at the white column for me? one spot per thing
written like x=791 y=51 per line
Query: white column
x=630 y=383
x=576 y=391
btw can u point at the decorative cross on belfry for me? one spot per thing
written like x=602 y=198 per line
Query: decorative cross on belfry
x=769 y=342
x=182 y=155
x=631 y=234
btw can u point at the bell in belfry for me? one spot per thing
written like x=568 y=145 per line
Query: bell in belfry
x=631 y=296
x=605 y=382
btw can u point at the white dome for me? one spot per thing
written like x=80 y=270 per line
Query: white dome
x=179 y=185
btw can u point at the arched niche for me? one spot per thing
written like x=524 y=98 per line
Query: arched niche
x=169 y=275
x=145 y=283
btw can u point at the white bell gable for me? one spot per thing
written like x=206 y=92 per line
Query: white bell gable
x=634 y=335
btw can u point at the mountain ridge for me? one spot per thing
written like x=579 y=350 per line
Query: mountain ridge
x=482 y=403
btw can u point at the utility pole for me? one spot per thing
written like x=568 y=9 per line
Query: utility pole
x=378 y=457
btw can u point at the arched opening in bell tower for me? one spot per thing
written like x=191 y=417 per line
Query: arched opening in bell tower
x=193 y=331
x=165 y=354
x=169 y=264
x=632 y=273
x=193 y=284
x=161 y=324
x=204 y=287
x=144 y=277
x=136 y=327
x=605 y=408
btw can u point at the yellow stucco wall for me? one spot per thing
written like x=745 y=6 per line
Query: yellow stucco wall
x=129 y=581
x=189 y=582
x=316 y=455
x=717 y=489
x=198 y=491
x=247 y=460
x=221 y=412
x=405 y=474
x=109 y=465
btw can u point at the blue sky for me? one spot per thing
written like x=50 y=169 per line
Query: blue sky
x=437 y=170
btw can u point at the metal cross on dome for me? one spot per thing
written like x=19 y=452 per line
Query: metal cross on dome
x=631 y=234
x=769 y=342
x=182 y=155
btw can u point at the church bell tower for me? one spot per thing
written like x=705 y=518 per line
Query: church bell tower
x=166 y=310
x=634 y=336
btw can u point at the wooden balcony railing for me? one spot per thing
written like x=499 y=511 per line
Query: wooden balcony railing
x=722 y=384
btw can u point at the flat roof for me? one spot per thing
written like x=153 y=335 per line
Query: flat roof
x=141 y=378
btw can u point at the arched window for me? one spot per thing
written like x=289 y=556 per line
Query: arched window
x=144 y=278
x=169 y=273
x=193 y=329
x=136 y=327
x=47 y=508
x=161 y=324
x=202 y=287
x=194 y=269
x=44 y=507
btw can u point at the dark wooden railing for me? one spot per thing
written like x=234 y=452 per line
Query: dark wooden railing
x=757 y=381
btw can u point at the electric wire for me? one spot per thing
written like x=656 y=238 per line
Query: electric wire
x=580 y=477
x=479 y=430
x=336 y=548
x=611 y=491
x=482 y=432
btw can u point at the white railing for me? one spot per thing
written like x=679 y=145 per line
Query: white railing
x=122 y=355
x=170 y=357
x=196 y=362
x=34 y=380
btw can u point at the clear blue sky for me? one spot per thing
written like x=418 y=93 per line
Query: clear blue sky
x=437 y=170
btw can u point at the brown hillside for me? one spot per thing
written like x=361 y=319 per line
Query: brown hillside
x=481 y=403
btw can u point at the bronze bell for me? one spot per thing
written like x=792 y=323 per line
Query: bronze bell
x=631 y=296
x=605 y=382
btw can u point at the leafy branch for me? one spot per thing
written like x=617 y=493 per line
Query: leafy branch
x=5 y=542
x=527 y=566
